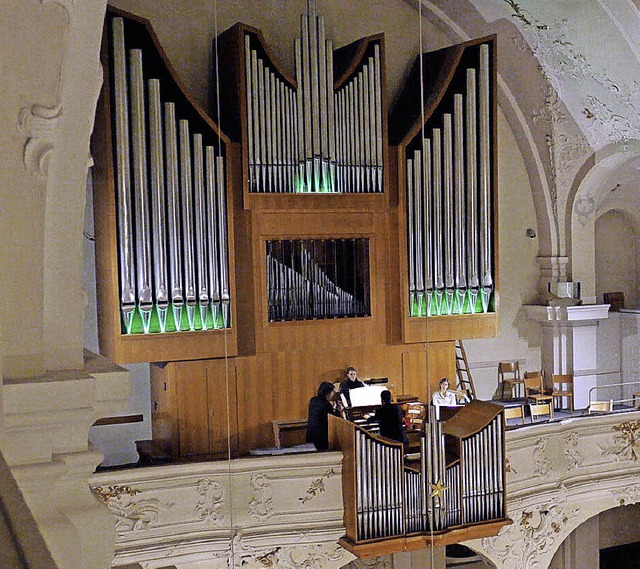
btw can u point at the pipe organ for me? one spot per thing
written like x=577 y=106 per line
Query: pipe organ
x=460 y=480
x=170 y=192
x=317 y=278
x=164 y=180
x=322 y=132
x=449 y=175
x=284 y=248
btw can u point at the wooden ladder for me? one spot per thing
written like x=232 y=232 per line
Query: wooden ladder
x=465 y=381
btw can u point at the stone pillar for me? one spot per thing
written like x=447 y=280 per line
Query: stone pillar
x=569 y=343
x=552 y=270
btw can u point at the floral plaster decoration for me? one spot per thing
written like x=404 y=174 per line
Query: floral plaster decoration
x=508 y=468
x=317 y=486
x=560 y=59
x=543 y=464
x=135 y=515
x=209 y=505
x=571 y=452
x=626 y=496
x=536 y=529
x=626 y=442
x=261 y=505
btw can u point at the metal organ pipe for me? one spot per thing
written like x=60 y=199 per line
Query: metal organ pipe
x=449 y=202
x=165 y=215
x=335 y=137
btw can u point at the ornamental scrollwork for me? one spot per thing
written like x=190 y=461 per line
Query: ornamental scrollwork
x=535 y=529
x=571 y=452
x=543 y=464
x=38 y=124
x=627 y=495
x=210 y=503
x=261 y=505
x=135 y=515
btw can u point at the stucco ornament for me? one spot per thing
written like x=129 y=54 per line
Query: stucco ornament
x=627 y=495
x=536 y=529
x=626 y=442
x=39 y=125
x=568 y=69
x=290 y=557
x=317 y=486
x=134 y=515
x=585 y=208
x=543 y=464
x=261 y=505
x=571 y=451
x=209 y=505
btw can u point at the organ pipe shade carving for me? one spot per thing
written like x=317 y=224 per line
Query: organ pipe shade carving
x=317 y=278
x=170 y=196
x=323 y=132
x=449 y=169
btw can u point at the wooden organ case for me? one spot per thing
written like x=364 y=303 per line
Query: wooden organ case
x=456 y=493
x=279 y=234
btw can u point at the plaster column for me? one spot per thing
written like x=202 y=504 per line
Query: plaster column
x=552 y=270
x=569 y=342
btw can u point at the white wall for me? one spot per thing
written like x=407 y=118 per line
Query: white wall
x=616 y=257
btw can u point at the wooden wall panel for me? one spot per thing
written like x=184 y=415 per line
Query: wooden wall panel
x=164 y=409
x=222 y=401
x=193 y=413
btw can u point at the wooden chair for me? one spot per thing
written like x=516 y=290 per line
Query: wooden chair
x=558 y=382
x=540 y=410
x=601 y=406
x=636 y=395
x=515 y=412
x=509 y=372
x=534 y=388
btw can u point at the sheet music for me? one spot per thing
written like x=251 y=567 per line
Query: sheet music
x=366 y=396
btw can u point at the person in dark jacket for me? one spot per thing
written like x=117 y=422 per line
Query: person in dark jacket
x=320 y=407
x=389 y=417
x=349 y=383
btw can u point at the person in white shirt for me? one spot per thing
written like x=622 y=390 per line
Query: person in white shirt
x=445 y=397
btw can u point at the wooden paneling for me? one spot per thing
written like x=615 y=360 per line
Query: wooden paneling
x=164 y=409
x=193 y=413
x=421 y=374
x=222 y=403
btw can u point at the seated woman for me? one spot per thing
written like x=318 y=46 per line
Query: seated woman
x=320 y=406
x=446 y=397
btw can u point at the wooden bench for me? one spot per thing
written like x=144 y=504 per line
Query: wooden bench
x=289 y=432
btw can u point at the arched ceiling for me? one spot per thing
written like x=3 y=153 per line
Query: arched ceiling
x=573 y=67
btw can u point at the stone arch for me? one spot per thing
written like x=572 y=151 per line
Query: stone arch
x=588 y=195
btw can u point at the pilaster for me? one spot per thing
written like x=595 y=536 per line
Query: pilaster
x=569 y=343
